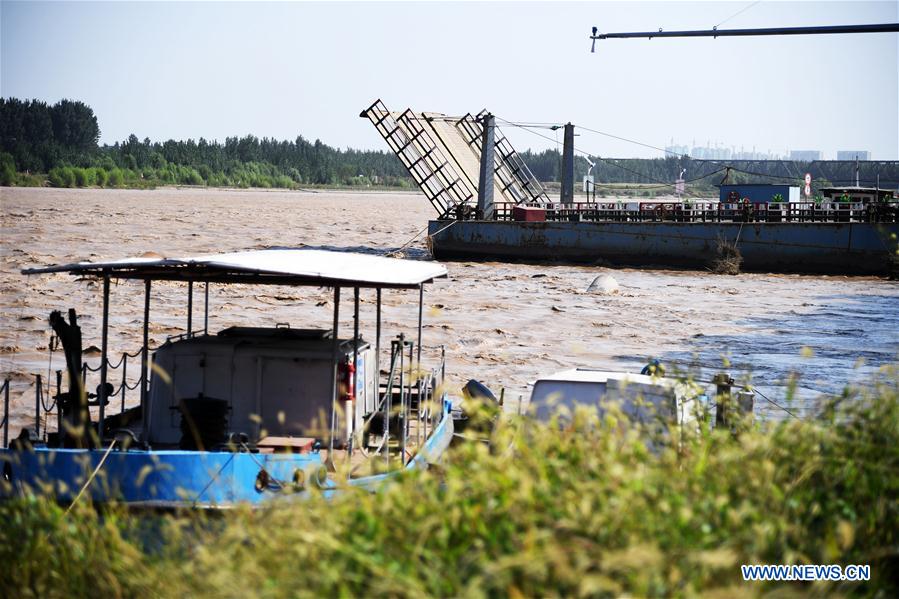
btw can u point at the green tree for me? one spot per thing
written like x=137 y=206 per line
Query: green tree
x=7 y=169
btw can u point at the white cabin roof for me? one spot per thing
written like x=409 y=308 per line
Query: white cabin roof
x=587 y=375
x=275 y=266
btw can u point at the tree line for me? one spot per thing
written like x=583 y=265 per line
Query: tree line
x=61 y=141
x=59 y=144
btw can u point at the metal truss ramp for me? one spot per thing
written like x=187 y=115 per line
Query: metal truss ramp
x=442 y=154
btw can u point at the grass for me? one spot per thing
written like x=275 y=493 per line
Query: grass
x=585 y=509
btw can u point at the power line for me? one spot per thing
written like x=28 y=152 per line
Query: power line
x=722 y=164
x=588 y=154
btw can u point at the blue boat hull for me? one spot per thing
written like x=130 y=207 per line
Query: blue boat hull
x=168 y=479
x=832 y=248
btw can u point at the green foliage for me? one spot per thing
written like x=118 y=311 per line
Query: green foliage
x=62 y=176
x=101 y=177
x=7 y=169
x=587 y=509
x=116 y=178
x=41 y=136
x=777 y=198
x=54 y=554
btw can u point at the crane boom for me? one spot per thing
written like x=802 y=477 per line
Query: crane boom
x=714 y=32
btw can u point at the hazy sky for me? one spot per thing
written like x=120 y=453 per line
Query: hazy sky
x=213 y=69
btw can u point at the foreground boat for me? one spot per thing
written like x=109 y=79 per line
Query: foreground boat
x=244 y=414
x=664 y=409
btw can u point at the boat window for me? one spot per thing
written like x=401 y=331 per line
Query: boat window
x=549 y=396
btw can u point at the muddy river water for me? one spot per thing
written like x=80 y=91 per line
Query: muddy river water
x=503 y=324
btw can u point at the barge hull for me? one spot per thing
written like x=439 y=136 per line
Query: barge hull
x=814 y=248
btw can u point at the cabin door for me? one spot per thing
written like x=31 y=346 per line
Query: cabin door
x=300 y=390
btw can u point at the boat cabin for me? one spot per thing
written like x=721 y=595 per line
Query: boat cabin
x=270 y=380
x=643 y=398
x=857 y=195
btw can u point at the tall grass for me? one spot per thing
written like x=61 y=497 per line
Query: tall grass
x=590 y=508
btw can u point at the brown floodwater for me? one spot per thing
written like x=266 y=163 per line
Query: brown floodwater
x=503 y=324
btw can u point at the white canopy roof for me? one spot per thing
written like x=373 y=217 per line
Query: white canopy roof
x=276 y=266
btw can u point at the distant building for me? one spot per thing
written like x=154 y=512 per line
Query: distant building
x=708 y=153
x=805 y=155
x=852 y=154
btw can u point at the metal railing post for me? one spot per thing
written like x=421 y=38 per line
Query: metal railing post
x=59 y=431
x=124 y=387
x=104 y=359
x=37 y=406
x=6 y=413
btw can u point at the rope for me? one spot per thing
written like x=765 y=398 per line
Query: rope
x=397 y=252
x=774 y=403
x=212 y=480
x=650 y=146
x=739 y=12
x=262 y=467
x=40 y=391
x=50 y=349
x=91 y=477
x=600 y=158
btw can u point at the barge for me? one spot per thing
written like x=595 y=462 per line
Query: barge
x=491 y=207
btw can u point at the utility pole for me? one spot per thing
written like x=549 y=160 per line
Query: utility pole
x=485 y=176
x=567 y=195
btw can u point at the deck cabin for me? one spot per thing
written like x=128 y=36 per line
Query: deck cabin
x=857 y=195
x=651 y=401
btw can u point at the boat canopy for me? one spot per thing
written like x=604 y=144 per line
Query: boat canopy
x=302 y=267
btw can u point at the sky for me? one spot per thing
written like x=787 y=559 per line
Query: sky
x=216 y=69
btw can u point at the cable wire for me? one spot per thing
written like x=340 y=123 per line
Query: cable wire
x=589 y=155
x=739 y=12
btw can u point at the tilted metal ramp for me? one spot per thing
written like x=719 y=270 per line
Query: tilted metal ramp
x=425 y=157
x=514 y=179
x=442 y=154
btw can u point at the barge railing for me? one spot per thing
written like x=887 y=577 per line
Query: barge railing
x=708 y=211
x=41 y=395
x=6 y=412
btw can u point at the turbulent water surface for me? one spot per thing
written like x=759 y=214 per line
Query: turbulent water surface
x=504 y=324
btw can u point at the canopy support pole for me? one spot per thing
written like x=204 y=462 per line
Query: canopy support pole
x=421 y=300
x=104 y=357
x=378 y=349
x=145 y=362
x=402 y=350
x=351 y=405
x=206 y=311
x=335 y=346
x=190 y=308
x=419 y=372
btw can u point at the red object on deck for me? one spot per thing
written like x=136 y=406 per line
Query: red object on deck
x=528 y=214
x=285 y=445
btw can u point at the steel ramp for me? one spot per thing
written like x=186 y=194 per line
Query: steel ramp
x=410 y=137
x=442 y=154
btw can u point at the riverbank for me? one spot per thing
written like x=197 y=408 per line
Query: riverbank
x=586 y=510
